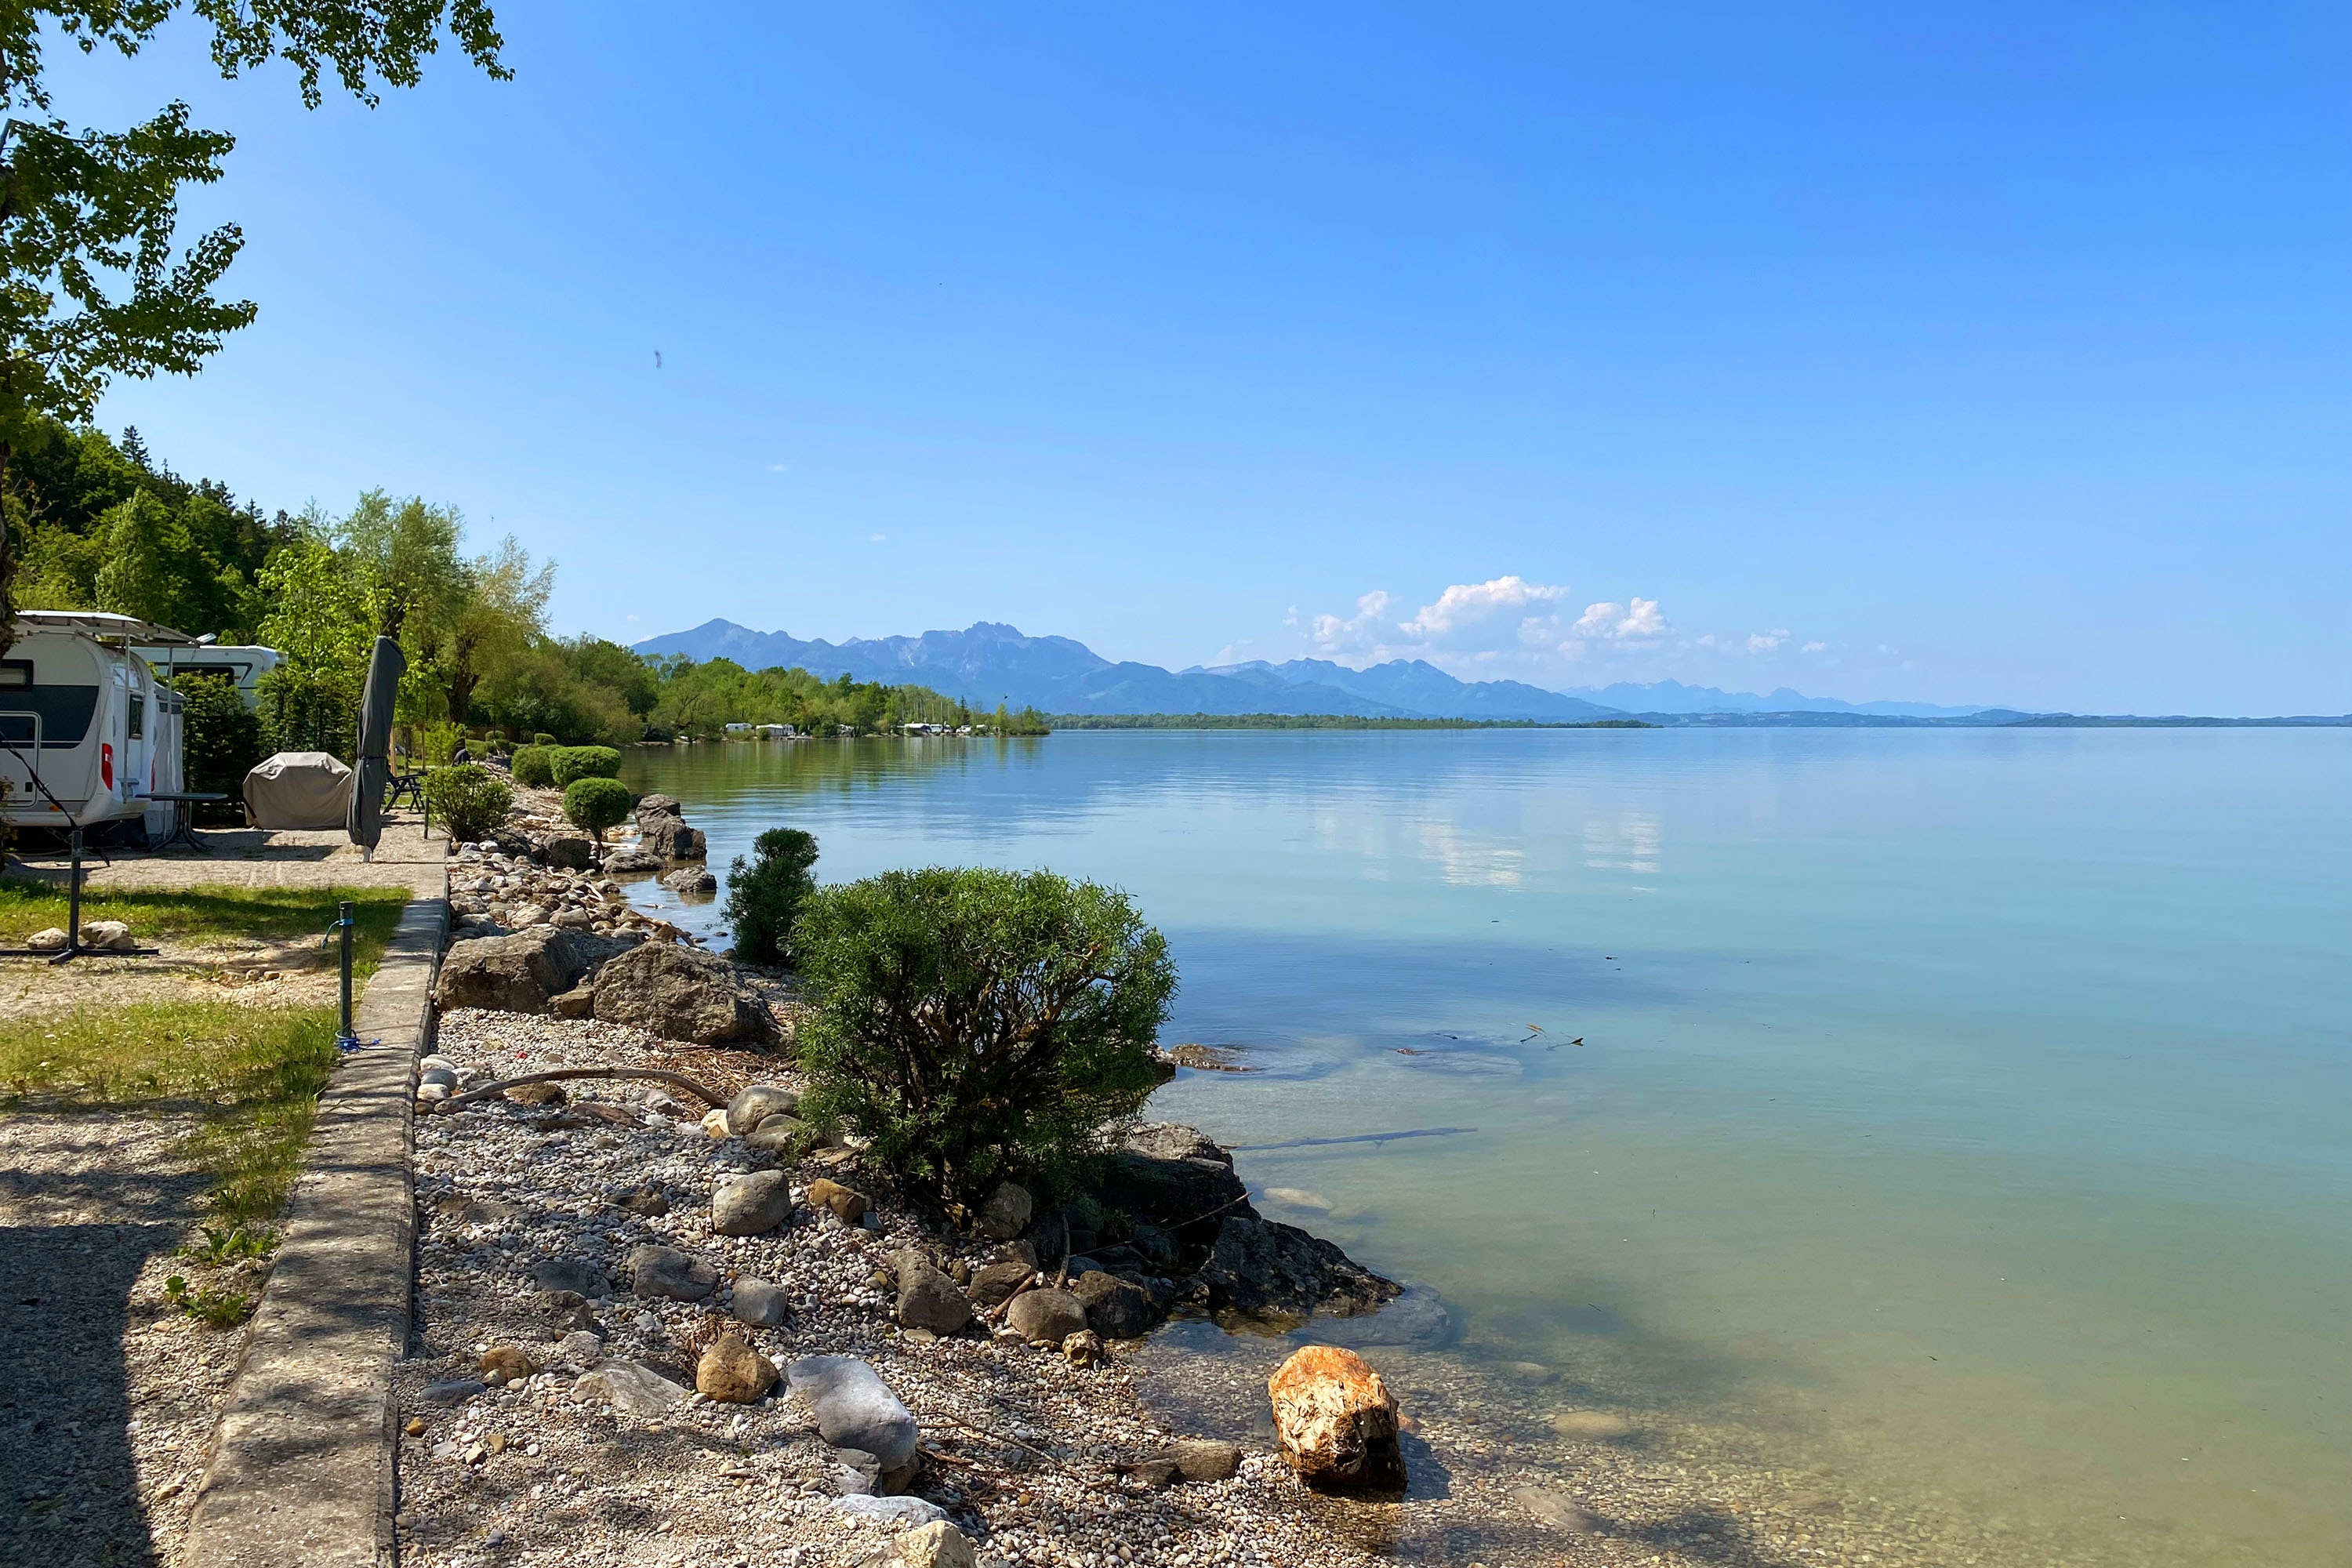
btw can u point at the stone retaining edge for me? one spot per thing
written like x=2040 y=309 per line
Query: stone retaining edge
x=303 y=1468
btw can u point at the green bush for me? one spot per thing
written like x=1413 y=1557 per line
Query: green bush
x=764 y=894
x=533 y=766
x=220 y=737
x=570 y=763
x=441 y=742
x=542 y=739
x=468 y=800
x=978 y=1024
x=596 y=805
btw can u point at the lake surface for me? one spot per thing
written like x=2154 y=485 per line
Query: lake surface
x=1960 y=1115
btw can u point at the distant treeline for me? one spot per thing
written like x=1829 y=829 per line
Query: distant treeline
x=1316 y=722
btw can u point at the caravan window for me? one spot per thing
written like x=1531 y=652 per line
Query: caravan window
x=15 y=675
x=138 y=715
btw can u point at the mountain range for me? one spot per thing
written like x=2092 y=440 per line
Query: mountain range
x=987 y=662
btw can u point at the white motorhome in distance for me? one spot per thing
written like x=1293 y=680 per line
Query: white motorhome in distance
x=243 y=664
x=79 y=708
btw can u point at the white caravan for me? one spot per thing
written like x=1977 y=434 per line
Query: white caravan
x=244 y=665
x=80 y=710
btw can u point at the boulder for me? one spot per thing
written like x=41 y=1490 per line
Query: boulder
x=49 y=939
x=1084 y=1348
x=522 y=973
x=848 y=1203
x=668 y=837
x=752 y=1205
x=1334 y=1421
x=507 y=1362
x=1005 y=1214
x=632 y=1388
x=691 y=879
x=733 y=1372
x=681 y=994
x=657 y=805
x=630 y=862
x=666 y=1273
x=108 y=936
x=787 y=1138
x=927 y=1298
x=745 y=1111
x=897 y=1510
x=1046 y=1317
x=569 y=852
x=580 y=1001
x=1204 y=1458
x=937 y=1544
x=995 y=1281
x=761 y=1304
x=1265 y=1269
x=577 y=1275
x=854 y=1407
x=1114 y=1307
x=1175 y=1178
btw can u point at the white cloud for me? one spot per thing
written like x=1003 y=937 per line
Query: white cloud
x=1765 y=642
x=1467 y=604
x=1364 y=632
x=1815 y=647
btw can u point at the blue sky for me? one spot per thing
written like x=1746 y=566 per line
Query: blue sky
x=1989 y=357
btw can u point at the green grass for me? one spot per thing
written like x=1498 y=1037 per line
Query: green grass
x=251 y=1074
x=200 y=914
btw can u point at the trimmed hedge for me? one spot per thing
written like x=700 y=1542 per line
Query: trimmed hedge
x=533 y=765
x=596 y=803
x=570 y=762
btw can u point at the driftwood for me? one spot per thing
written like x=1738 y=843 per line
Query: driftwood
x=709 y=1097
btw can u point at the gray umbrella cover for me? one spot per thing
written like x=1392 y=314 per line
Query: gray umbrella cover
x=371 y=767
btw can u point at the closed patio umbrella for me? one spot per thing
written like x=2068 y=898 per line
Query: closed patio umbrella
x=372 y=768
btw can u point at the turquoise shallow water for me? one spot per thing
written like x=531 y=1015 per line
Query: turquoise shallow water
x=1959 y=1113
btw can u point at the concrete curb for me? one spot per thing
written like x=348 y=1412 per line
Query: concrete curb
x=302 y=1468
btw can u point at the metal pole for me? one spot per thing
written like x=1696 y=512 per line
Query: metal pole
x=348 y=1036
x=73 y=900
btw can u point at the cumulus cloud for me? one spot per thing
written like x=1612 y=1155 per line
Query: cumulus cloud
x=1608 y=621
x=1363 y=632
x=1466 y=606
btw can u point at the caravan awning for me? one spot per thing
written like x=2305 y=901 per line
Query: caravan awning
x=102 y=623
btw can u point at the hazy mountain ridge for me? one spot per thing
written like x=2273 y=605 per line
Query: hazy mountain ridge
x=989 y=662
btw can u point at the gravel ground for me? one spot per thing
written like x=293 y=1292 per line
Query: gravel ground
x=92 y=1206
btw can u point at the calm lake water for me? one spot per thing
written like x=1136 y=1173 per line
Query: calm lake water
x=1959 y=1114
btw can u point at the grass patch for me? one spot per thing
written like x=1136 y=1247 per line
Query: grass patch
x=197 y=914
x=253 y=1074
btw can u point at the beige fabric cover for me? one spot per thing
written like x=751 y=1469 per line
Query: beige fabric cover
x=299 y=789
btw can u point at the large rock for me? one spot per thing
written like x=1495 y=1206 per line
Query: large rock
x=787 y=1138
x=1005 y=1214
x=994 y=1282
x=1334 y=1421
x=682 y=995
x=669 y=837
x=569 y=852
x=1116 y=1308
x=927 y=1298
x=854 y=1407
x=1175 y=1178
x=937 y=1544
x=752 y=1205
x=733 y=1372
x=522 y=972
x=1046 y=1317
x=751 y=1105
x=761 y=1304
x=1265 y=1269
x=666 y=1273
x=848 y=1203
x=657 y=805
x=631 y=1388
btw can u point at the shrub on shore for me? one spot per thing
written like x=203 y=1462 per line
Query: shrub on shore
x=570 y=763
x=764 y=895
x=596 y=803
x=533 y=766
x=978 y=1024
x=468 y=799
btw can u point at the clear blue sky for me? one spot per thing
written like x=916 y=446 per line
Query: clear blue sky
x=1994 y=355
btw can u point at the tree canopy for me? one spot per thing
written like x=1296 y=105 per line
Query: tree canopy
x=95 y=282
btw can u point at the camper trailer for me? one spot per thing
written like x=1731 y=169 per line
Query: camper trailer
x=243 y=665
x=90 y=733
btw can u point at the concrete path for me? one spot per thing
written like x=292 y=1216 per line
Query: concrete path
x=301 y=1474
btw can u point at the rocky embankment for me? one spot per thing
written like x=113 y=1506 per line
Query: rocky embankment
x=651 y=1324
